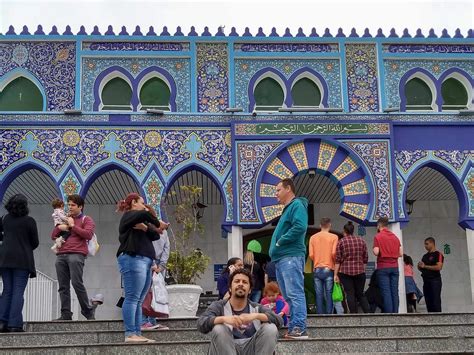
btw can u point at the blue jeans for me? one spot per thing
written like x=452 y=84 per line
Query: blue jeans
x=12 y=300
x=255 y=296
x=323 y=282
x=388 y=283
x=289 y=272
x=136 y=276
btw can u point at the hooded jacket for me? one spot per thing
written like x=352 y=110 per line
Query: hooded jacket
x=288 y=239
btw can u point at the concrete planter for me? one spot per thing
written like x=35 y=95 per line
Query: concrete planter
x=183 y=300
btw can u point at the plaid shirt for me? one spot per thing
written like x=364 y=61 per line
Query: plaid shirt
x=351 y=254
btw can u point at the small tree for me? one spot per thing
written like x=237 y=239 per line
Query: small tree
x=185 y=262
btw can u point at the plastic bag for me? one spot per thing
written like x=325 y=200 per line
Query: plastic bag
x=337 y=293
x=159 y=303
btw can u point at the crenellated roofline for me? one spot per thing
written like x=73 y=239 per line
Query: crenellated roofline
x=233 y=33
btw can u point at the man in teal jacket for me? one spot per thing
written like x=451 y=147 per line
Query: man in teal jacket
x=288 y=251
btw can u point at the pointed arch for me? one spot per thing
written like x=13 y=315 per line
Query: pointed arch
x=316 y=78
x=417 y=80
x=20 y=90
x=106 y=77
x=161 y=80
x=465 y=84
x=268 y=73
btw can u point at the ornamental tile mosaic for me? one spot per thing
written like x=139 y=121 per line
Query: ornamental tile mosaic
x=361 y=62
x=245 y=69
x=406 y=159
x=395 y=69
x=455 y=158
x=52 y=63
x=326 y=154
x=400 y=189
x=347 y=166
x=70 y=184
x=298 y=154
x=179 y=69
x=267 y=190
x=229 y=198
x=153 y=189
x=250 y=157
x=469 y=186
x=376 y=154
x=135 y=147
x=355 y=209
x=279 y=169
x=358 y=187
x=271 y=212
x=212 y=79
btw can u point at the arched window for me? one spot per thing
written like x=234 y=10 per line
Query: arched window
x=116 y=95
x=455 y=95
x=21 y=94
x=268 y=95
x=418 y=95
x=305 y=92
x=155 y=93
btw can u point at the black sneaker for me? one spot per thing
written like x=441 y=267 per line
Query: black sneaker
x=64 y=317
x=296 y=333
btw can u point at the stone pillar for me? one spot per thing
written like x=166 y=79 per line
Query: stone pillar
x=402 y=308
x=235 y=244
x=470 y=256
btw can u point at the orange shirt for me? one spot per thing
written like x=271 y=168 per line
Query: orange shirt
x=322 y=249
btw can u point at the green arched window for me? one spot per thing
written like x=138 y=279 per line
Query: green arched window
x=305 y=92
x=21 y=94
x=418 y=95
x=454 y=95
x=155 y=93
x=268 y=95
x=116 y=95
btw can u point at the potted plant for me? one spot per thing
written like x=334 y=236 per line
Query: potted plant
x=186 y=263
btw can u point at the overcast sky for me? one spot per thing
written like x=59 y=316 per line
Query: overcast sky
x=424 y=14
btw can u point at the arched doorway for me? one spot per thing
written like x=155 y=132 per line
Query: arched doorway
x=432 y=205
x=211 y=214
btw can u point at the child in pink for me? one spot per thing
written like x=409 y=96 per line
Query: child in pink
x=275 y=301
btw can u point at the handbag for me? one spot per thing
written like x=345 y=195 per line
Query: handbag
x=147 y=308
x=337 y=293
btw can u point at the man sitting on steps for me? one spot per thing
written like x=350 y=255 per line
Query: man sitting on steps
x=237 y=325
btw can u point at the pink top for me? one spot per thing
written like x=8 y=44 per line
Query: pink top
x=285 y=309
x=408 y=270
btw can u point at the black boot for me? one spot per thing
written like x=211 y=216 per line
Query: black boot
x=3 y=327
x=15 y=330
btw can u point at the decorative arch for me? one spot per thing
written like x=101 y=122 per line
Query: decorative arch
x=23 y=73
x=454 y=181
x=107 y=75
x=464 y=78
x=20 y=169
x=313 y=76
x=204 y=171
x=268 y=73
x=326 y=157
x=425 y=76
x=155 y=72
x=102 y=170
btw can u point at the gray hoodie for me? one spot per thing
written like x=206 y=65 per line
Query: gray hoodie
x=219 y=308
x=162 y=249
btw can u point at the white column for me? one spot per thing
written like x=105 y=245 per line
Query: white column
x=402 y=308
x=470 y=256
x=235 y=244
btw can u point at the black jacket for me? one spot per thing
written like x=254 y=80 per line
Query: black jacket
x=135 y=241
x=20 y=238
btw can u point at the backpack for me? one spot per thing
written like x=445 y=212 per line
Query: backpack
x=93 y=244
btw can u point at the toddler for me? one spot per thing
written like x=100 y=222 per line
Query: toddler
x=275 y=301
x=59 y=217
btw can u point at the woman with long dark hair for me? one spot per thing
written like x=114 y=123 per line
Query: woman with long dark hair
x=135 y=257
x=223 y=280
x=19 y=234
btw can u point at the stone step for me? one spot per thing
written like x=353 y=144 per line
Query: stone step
x=346 y=319
x=186 y=334
x=324 y=345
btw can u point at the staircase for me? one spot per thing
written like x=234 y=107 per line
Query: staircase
x=375 y=333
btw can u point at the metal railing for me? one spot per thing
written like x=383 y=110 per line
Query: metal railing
x=41 y=298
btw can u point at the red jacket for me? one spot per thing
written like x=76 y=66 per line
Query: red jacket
x=82 y=231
